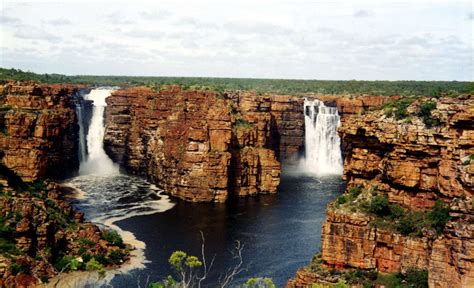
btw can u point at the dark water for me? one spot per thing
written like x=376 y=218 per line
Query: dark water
x=280 y=232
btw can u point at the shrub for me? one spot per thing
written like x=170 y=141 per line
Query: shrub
x=391 y=280
x=341 y=199
x=86 y=242
x=169 y=282
x=63 y=264
x=379 y=206
x=16 y=268
x=358 y=276
x=8 y=246
x=411 y=223
x=102 y=259
x=93 y=265
x=398 y=109
x=44 y=278
x=354 y=192
x=242 y=123
x=416 y=278
x=259 y=283
x=425 y=114
x=439 y=216
x=112 y=237
x=116 y=257
x=86 y=257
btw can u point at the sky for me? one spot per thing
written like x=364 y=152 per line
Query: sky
x=338 y=40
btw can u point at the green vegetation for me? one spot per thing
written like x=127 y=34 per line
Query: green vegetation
x=283 y=86
x=113 y=238
x=116 y=257
x=242 y=124
x=93 y=265
x=354 y=192
x=392 y=216
x=259 y=283
x=398 y=109
x=411 y=278
x=87 y=242
x=16 y=268
x=425 y=114
x=192 y=271
x=408 y=223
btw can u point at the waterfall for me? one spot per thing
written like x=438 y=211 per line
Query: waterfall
x=82 y=138
x=322 y=143
x=97 y=162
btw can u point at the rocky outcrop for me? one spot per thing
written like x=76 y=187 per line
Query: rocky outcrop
x=356 y=104
x=286 y=120
x=198 y=145
x=41 y=235
x=412 y=165
x=38 y=129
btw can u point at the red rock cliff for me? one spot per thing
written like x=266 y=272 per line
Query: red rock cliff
x=38 y=136
x=412 y=166
x=201 y=145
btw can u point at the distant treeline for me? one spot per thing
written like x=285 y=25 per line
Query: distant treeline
x=281 y=86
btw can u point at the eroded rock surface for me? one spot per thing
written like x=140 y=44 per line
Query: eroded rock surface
x=38 y=129
x=203 y=145
x=413 y=166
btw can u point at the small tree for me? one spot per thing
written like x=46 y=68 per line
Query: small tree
x=192 y=271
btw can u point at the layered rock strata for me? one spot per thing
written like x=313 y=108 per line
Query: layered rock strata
x=198 y=145
x=38 y=129
x=412 y=165
x=41 y=235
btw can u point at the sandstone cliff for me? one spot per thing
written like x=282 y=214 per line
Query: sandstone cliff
x=202 y=145
x=412 y=170
x=38 y=130
x=40 y=234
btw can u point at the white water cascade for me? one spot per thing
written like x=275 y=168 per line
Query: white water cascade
x=97 y=162
x=82 y=138
x=322 y=143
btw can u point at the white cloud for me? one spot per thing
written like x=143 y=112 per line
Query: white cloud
x=58 y=22
x=363 y=13
x=301 y=39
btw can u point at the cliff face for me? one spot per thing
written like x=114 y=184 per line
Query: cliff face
x=38 y=136
x=40 y=234
x=201 y=145
x=412 y=166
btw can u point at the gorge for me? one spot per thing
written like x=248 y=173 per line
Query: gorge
x=220 y=147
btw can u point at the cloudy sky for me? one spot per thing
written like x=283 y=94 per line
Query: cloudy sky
x=364 y=40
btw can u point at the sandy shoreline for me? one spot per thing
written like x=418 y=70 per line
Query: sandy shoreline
x=79 y=279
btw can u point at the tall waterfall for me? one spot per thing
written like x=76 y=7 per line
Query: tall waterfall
x=82 y=136
x=322 y=143
x=97 y=162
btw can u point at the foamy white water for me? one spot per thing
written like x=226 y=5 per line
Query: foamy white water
x=97 y=162
x=107 y=196
x=322 y=142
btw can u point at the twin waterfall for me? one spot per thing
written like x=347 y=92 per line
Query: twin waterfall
x=96 y=160
x=322 y=143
